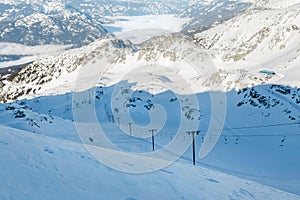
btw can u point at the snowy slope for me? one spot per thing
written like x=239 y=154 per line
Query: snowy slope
x=258 y=39
x=253 y=153
x=43 y=167
x=61 y=71
x=259 y=79
x=206 y=14
x=275 y=4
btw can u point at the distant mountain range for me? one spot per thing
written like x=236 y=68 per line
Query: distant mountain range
x=80 y=22
x=47 y=22
x=205 y=14
x=242 y=47
x=104 y=8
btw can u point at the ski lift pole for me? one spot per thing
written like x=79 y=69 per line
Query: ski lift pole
x=118 y=121
x=130 y=130
x=152 y=131
x=193 y=137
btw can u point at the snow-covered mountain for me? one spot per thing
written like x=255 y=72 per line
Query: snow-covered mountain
x=248 y=64
x=47 y=22
x=205 y=14
x=103 y=8
x=263 y=105
x=42 y=76
x=258 y=39
x=62 y=68
x=258 y=47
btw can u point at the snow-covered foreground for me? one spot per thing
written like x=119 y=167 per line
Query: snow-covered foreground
x=35 y=167
x=250 y=153
x=140 y=28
